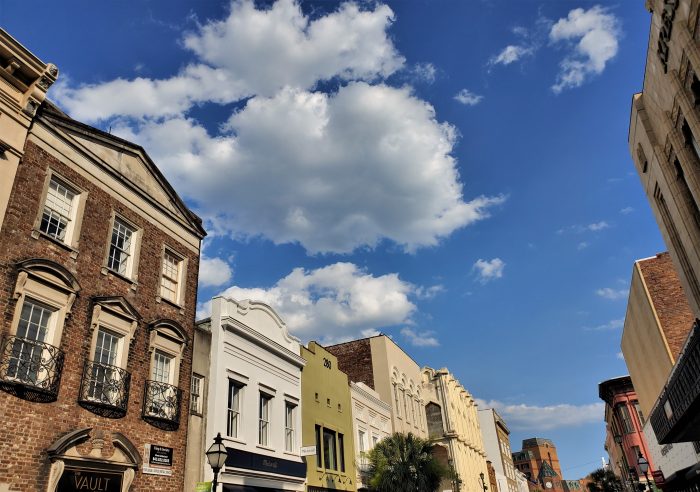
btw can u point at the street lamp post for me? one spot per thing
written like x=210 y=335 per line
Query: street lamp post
x=216 y=456
x=483 y=484
x=644 y=467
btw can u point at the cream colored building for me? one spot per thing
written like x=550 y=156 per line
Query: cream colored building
x=453 y=424
x=383 y=366
x=24 y=80
x=496 y=436
x=371 y=423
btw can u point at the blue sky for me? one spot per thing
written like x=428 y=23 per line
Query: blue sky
x=453 y=173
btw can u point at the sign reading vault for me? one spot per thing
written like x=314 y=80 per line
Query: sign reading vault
x=77 y=480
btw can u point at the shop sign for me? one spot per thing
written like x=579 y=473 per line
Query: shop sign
x=160 y=455
x=308 y=451
x=90 y=480
x=149 y=470
x=202 y=487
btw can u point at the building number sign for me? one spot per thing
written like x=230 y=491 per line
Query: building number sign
x=327 y=363
x=667 y=15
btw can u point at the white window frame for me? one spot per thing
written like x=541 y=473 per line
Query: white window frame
x=264 y=404
x=196 y=394
x=290 y=411
x=132 y=261
x=179 y=280
x=231 y=431
x=74 y=217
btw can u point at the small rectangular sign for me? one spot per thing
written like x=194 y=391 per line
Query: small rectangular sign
x=160 y=455
x=202 y=487
x=148 y=470
x=308 y=450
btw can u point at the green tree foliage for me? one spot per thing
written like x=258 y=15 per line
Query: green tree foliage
x=604 y=481
x=404 y=463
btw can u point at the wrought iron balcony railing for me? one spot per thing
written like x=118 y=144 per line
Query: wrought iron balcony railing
x=676 y=414
x=161 y=405
x=104 y=389
x=30 y=369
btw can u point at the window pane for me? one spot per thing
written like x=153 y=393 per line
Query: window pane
x=170 y=277
x=361 y=440
x=120 y=247
x=102 y=381
x=25 y=359
x=319 y=463
x=289 y=427
x=234 y=396
x=196 y=394
x=264 y=411
x=57 y=210
x=341 y=452
x=161 y=367
x=329 y=452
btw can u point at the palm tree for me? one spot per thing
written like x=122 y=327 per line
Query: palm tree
x=604 y=480
x=404 y=463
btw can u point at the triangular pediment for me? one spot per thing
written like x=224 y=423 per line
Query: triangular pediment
x=124 y=160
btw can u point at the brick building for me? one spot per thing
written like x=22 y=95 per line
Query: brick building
x=98 y=279
x=539 y=462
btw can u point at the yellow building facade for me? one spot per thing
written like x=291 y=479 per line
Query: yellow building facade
x=327 y=423
x=453 y=424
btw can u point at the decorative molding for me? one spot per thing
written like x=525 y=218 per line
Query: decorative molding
x=55 y=473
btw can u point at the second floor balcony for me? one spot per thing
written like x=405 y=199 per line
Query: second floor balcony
x=161 y=405
x=676 y=414
x=104 y=389
x=30 y=369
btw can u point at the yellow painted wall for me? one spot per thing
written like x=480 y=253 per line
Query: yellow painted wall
x=325 y=402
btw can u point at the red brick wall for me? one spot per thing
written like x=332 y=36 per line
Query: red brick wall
x=669 y=300
x=355 y=360
x=27 y=429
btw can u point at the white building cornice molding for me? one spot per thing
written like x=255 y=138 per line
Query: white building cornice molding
x=238 y=328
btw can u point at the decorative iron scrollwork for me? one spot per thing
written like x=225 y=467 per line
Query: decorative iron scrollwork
x=30 y=369
x=161 y=405
x=104 y=389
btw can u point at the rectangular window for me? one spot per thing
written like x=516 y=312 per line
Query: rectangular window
x=234 y=408
x=329 y=452
x=396 y=401
x=161 y=367
x=625 y=418
x=375 y=440
x=319 y=462
x=196 y=393
x=361 y=441
x=264 y=419
x=24 y=362
x=341 y=452
x=170 y=277
x=289 y=427
x=58 y=210
x=103 y=370
x=120 y=248
x=405 y=404
x=639 y=412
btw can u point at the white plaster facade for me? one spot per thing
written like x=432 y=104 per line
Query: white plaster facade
x=252 y=351
x=497 y=446
x=521 y=480
x=371 y=423
x=670 y=458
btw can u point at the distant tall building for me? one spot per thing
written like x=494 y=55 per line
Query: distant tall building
x=663 y=138
x=382 y=365
x=497 y=445
x=539 y=462
x=657 y=324
x=624 y=420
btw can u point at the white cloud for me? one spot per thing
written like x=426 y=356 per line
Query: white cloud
x=593 y=36
x=468 y=98
x=620 y=356
x=533 y=418
x=334 y=303
x=612 y=294
x=429 y=292
x=424 y=72
x=488 y=270
x=582 y=245
x=614 y=324
x=251 y=52
x=626 y=210
x=332 y=172
x=580 y=229
x=213 y=272
x=510 y=54
x=420 y=339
